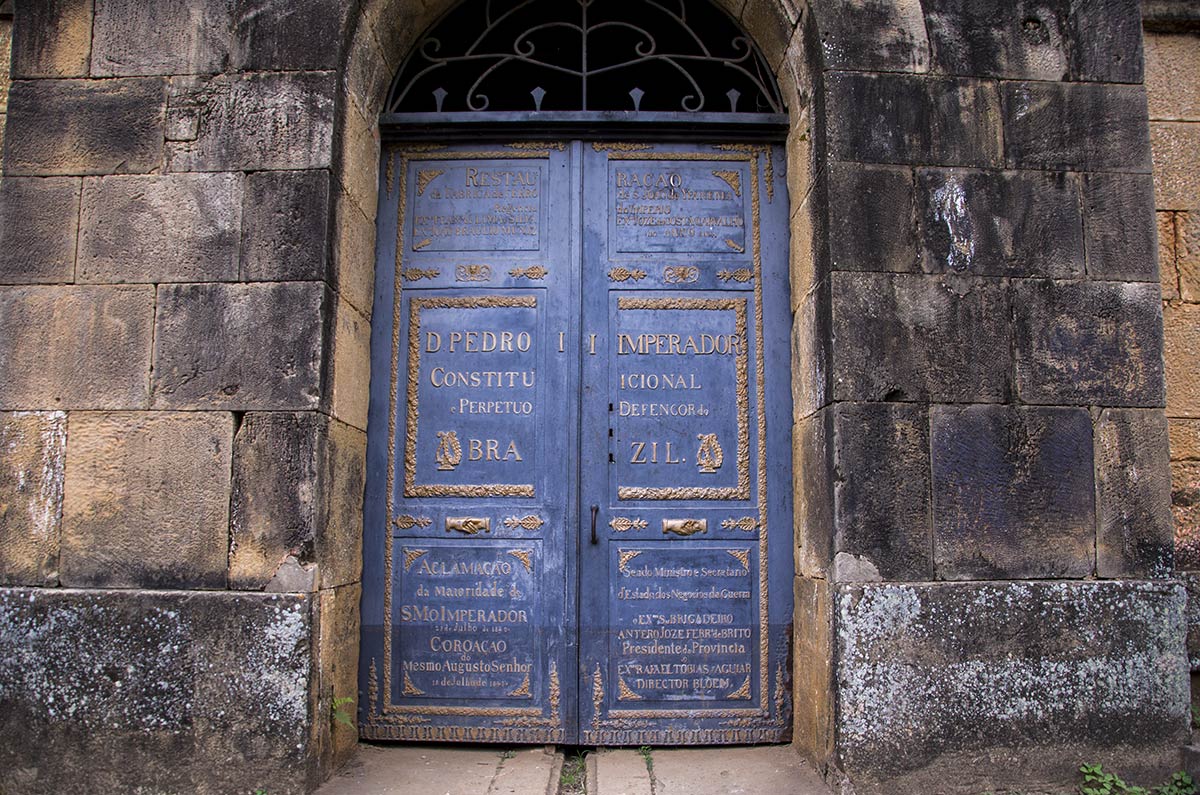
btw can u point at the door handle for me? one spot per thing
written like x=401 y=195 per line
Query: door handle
x=595 y=510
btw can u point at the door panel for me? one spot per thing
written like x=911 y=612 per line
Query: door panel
x=468 y=605
x=684 y=620
x=578 y=507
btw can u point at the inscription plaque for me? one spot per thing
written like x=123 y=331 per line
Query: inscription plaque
x=577 y=514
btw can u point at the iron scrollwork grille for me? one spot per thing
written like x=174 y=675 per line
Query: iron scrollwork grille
x=585 y=55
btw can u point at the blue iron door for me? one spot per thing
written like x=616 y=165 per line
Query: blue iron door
x=578 y=507
x=686 y=579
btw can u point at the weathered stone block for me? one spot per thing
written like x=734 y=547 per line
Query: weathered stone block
x=52 y=38
x=1106 y=40
x=872 y=223
x=1184 y=439
x=1167 y=57
x=167 y=37
x=1013 y=492
x=1023 y=39
x=1076 y=126
x=812 y=675
x=75 y=347
x=908 y=119
x=1185 y=510
x=1187 y=252
x=1000 y=223
x=351 y=365
x=127 y=691
x=33 y=449
x=1181 y=347
x=881 y=492
x=251 y=121
x=1119 y=216
x=982 y=687
x=288 y=35
x=874 y=35
x=240 y=347
x=84 y=127
x=919 y=338
x=812 y=468
x=1176 y=181
x=1168 y=275
x=276 y=503
x=1134 y=535
x=39 y=219
x=284 y=234
x=168 y=228
x=339 y=541
x=146 y=500
x=1088 y=343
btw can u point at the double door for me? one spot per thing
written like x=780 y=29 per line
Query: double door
x=578 y=506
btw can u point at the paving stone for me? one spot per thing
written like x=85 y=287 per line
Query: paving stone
x=1135 y=533
x=1176 y=182
x=33 y=448
x=1021 y=39
x=162 y=228
x=416 y=770
x=1119 y=216
x=79 y=127
x=146 y=500
x=1075 y=126
x=529 y=771
x=1106 y=39
x=166 y=37
x=39 y=220
x=734 y=771
x=239 y=347
x=1181 y=348
x=881 y=492
x=288 y=35
x=618 y=772
x=920 y=338
x=1030 y=676
x=53 y=39
x=1000 y=223
x=888 y=118
x=874 y=35
x=1169 y=55
x=1088 y=343
x=1013 y=492
x=283 y=236
x=251 y=121
x=75 y=347
x=871 y=216
x=135 y=688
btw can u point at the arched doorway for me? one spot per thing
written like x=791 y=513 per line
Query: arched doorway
x=578 y=512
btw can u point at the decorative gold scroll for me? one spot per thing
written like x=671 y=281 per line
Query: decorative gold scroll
x=622 y=524
x=528 y=522
x=534 y=272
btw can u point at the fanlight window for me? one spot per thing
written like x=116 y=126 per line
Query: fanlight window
x=662 y=56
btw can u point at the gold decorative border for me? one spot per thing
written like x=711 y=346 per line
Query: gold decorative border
x=742 y=490
x=382 y=723
x=412 y=425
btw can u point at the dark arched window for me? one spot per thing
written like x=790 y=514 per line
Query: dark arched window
x=585 y=58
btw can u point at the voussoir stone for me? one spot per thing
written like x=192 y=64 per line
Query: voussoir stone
x=146 y=500
x=33 y=447
x=162 y=228
x=239 y=347
x=84 y=347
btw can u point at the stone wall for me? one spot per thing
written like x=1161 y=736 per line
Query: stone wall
x=180 y=491
x=984 y=560
x=1172 y=61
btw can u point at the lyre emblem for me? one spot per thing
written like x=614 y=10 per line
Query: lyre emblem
x=710 y=457
x=449 y=452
